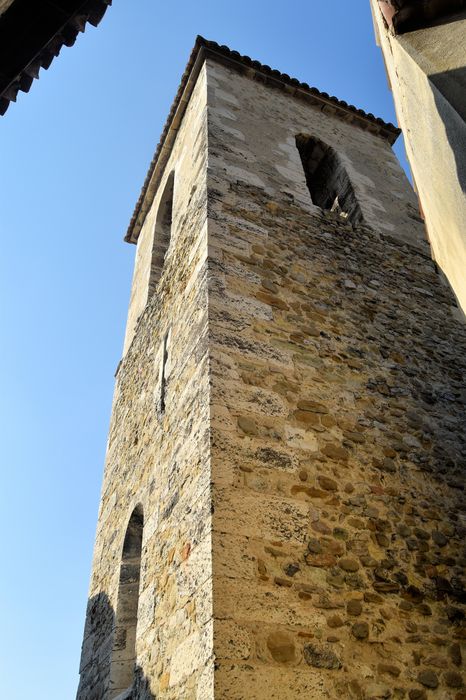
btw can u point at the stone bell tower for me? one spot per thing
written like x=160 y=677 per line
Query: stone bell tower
x=282 y=510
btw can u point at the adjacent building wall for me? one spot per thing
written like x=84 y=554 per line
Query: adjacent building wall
x=427 y=74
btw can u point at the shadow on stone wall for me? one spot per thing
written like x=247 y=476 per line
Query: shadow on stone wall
x=96 y=656
x=418 y=16
x=451 y=91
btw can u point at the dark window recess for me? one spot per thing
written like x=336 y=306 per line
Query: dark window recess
x=163 y=373
x=327 y=180
x=162 y=233
x=123 y=663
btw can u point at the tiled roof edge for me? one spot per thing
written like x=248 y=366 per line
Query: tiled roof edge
x=90 y=11
x=203 y=49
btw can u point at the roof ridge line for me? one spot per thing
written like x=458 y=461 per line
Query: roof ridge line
x=204 y=47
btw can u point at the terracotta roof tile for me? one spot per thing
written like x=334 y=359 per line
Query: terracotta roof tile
x=32 y=34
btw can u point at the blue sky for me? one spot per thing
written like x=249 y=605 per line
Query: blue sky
x=74 y=153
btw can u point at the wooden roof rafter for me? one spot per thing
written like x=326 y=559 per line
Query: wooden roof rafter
x=408 y=15
x=32 y=33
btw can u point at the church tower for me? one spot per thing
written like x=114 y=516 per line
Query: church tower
x=282 y=511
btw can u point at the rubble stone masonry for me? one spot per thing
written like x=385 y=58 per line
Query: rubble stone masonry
x=303 y=490
x=162 y=460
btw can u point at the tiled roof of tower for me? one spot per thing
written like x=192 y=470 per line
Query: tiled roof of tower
x=263 y=73
x=33 y=33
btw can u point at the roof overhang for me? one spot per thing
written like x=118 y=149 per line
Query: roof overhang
x=32 y=33
x=407 y=15
x=256 y=71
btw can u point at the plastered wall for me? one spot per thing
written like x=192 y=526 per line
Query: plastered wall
x=427 y=74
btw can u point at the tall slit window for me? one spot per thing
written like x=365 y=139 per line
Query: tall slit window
x=124 y=645
x=327 y=180
x=164 y=373
x=162 y=233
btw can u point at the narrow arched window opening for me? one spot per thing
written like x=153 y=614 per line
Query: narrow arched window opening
x=124 y=643
x=327 y=180
x=164 y=372
x=162 y=233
